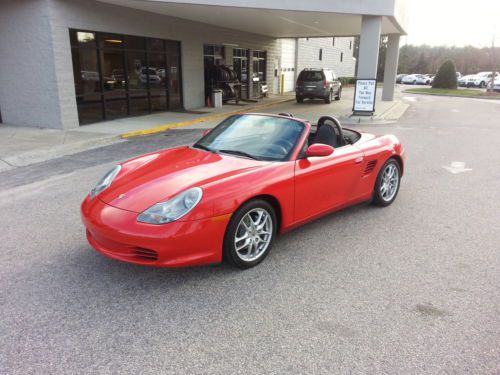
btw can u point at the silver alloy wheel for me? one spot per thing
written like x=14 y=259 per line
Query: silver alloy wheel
x=389 y=182
x=253 y=234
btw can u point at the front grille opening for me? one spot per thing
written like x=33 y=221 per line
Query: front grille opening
x=145 y=254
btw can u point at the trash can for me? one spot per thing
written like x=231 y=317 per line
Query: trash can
x=217 y=98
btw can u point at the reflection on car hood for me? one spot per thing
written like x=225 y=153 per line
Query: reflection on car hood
x=156 y=177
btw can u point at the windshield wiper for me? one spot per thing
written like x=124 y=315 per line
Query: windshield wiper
x=198 y=145
x=240 y=153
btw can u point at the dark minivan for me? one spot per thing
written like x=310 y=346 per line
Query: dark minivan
x=318 y=83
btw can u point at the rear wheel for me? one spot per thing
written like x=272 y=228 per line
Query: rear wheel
x=299 y=98
x=339 y=93
x=328 y=98
x=250 y=234
x=387 y=184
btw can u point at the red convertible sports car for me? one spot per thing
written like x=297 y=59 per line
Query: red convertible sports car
x=227 y=196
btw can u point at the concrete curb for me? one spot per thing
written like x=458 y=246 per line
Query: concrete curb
x=44 y=154
x=391 y=114
x=451 y=96
x=163 y=127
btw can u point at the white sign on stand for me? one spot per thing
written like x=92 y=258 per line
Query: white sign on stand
x=364 y=95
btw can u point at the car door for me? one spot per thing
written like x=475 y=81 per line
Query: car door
x=335 y=84
x=325 y=183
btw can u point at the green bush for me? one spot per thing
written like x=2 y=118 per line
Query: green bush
x=347 y=80
x=446 y=77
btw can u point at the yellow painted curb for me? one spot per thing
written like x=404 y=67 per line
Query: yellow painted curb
x=164 y=127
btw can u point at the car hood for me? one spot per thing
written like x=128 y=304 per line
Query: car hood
x=152 y=178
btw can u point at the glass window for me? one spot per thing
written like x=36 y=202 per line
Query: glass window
x=172 y=48
x=174 y=82
x=87 y=85
x=110 y=41
x=137 y=82
x=82 y=39
x=156 y=45
x=135 y=43
x=117 y=75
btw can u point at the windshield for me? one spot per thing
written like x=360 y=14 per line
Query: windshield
x=258 y=137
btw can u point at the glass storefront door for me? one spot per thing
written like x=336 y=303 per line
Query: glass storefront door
x=240 y=66
x=174 y=82
x=113 y=75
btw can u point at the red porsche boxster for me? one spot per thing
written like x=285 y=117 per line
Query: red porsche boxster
x=228 y=195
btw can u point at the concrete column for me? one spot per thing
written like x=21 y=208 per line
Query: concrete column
x=391 y=67
x=296 y=62
x=368 y=46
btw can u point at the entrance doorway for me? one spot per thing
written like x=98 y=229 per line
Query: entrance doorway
x=240 y=66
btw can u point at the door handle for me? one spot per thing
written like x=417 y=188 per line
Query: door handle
x=358 y=160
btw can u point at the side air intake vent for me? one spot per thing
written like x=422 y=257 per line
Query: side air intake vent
x=370 y=166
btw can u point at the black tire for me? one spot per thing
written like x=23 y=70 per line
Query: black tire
x=482 y=84
x=414 y=82
x=339 y=94
x=299 y=98
x=378 y=199
x=328 y=98
x=230 y=254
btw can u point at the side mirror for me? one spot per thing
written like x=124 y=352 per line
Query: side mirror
x=318 y=150
x=206 y=131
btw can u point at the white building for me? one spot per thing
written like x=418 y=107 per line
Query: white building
x=334 y=53
x=65 y=63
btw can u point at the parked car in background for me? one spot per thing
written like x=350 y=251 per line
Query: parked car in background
x=466 y=81
x=481 y=79
x=399 y=77
x=496 y=84
x=416 y=79
x=318 y=83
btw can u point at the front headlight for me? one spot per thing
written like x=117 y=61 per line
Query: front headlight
x=105 y=181
x=173 y=209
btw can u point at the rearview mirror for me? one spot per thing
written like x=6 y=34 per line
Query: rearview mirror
x=318 y=150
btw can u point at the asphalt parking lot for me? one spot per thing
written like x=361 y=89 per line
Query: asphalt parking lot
x=413 y=288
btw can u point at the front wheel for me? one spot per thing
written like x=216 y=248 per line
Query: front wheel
x=250 y=234
x=387 y=184
x=339 y=93
x=482 y=85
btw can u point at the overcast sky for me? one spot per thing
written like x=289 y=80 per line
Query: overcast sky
x=453 y=22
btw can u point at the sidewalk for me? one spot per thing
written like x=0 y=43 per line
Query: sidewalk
x=22 y=146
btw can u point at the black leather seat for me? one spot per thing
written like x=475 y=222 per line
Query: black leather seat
x=329 y=132
x=326 y=135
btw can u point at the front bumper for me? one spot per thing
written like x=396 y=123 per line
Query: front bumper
x=117 y=234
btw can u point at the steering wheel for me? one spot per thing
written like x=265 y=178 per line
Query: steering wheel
x=336 y=123
x=287 y=145
x=274 y=148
